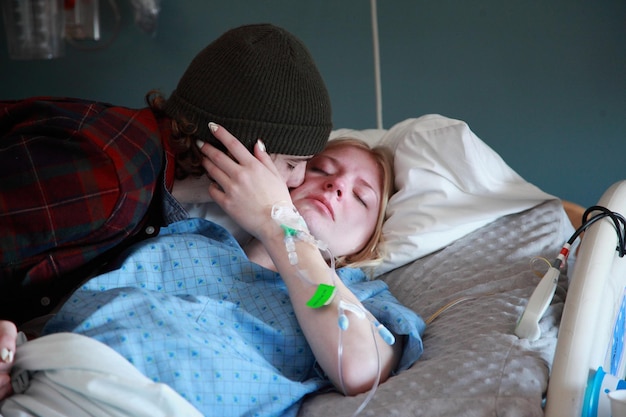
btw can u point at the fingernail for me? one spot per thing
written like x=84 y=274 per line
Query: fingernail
x=261 y=145
x=199 y=143
x=213 y=127
x=6 y=355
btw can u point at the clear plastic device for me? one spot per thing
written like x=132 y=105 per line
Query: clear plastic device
x=34 y=28
x=82 y=20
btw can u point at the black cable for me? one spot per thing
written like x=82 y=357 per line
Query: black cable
x=618 y=221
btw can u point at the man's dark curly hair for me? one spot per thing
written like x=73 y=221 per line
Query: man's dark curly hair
x=183 y=140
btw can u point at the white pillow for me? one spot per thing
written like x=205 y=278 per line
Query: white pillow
x=371 y=136
x=449 y=184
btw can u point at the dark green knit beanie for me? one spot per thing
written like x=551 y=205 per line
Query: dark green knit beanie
x=259 y=82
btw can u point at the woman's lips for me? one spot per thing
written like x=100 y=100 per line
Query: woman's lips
x=325 y=205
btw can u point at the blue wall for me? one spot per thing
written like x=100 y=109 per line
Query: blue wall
x=543 y=83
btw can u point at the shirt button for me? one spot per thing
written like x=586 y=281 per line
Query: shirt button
x=149 y=230
x=45 y=301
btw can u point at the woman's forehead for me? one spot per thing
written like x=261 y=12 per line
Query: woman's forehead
x=348 y=155
x=356 y=160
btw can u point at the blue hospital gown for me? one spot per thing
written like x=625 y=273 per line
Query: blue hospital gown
x=189 y=309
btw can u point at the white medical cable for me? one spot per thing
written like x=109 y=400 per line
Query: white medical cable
x=528 y=324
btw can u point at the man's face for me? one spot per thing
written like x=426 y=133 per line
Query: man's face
x=291 y=168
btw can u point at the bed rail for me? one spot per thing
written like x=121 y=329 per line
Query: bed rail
x=586 y=334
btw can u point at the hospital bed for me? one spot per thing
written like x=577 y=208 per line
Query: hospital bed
x=484 y=238
x=468 y=242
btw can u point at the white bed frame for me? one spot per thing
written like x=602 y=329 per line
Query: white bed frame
x=595 y=295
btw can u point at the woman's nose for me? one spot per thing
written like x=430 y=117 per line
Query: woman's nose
x=334 y=187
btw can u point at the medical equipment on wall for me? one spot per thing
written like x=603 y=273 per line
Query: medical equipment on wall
x=39 y=29
x=34 y=28
x=82 y=19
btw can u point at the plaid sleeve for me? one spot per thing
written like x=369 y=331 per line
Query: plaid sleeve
x=76 y=179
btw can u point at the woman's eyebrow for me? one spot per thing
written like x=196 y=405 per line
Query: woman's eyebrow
x=320 y=157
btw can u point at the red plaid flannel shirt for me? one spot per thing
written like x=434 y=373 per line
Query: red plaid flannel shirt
x=76 y=179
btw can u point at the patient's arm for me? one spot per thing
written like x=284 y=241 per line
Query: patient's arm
x=8 y=339
x=362 y=347
x=248 y=188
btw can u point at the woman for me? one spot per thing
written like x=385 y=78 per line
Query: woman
x=214 y=320
x=80 y=179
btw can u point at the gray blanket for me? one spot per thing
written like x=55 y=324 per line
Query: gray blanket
x=473 y=363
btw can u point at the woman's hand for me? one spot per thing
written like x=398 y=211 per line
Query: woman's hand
x=246 y=185
x=8 y=338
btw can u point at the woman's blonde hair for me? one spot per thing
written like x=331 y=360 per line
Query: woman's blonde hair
x=372 y=253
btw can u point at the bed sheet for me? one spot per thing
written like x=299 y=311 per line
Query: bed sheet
x=58 y=376
x=473 y=363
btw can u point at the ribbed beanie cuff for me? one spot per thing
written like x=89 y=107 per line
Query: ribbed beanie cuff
x=259 y=82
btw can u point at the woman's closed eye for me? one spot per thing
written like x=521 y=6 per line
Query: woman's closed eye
x=318 y=170
x=366 y=194
x=360 y=199
x=322 y=165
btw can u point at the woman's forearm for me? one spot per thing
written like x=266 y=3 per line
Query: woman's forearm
x=363 y=349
